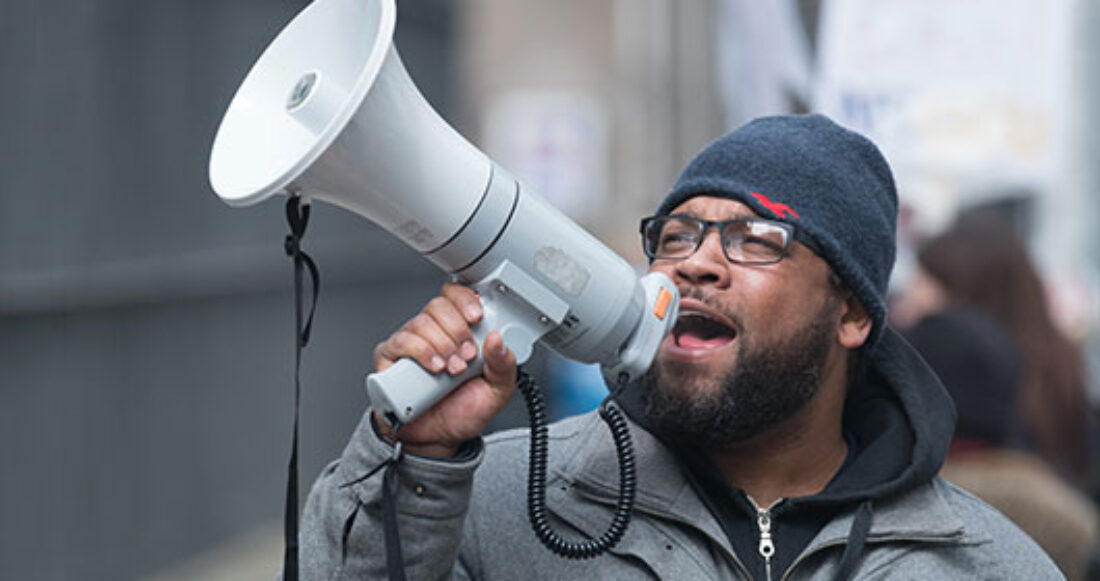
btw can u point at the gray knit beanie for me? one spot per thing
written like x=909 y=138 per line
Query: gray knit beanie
x=830 y=183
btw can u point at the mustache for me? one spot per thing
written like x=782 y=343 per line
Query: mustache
x=708 y=299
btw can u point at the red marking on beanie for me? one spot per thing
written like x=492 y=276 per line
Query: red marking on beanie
x=780 y=210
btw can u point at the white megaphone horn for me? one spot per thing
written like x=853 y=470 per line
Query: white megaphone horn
x=329 y=113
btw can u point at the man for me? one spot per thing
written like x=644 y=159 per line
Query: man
x=783 y=430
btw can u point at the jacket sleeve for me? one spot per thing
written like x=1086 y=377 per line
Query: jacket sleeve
x=342 y=534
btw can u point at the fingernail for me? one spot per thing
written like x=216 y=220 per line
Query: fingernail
x=456 y=364
x=468 y=350
x=437 y=363
x=473 y=311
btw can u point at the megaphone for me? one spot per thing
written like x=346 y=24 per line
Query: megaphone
x=329 y=113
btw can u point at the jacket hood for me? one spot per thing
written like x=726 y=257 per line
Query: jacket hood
x=899 y=405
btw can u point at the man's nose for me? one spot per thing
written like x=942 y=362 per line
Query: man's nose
x=707 y=265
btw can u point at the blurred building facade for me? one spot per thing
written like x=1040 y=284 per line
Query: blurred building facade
x=596 y=105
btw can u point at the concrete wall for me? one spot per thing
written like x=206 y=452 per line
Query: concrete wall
x=146 y=329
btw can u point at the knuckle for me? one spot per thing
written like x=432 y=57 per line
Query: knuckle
x=417 y=324
x=410 y=345
x=384 y=353
x=459 y=294
x=403 y=342
x=422 y=352
x=453 y=287
x=438 y=303
x=461 y=332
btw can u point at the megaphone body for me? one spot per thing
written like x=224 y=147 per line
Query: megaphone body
x=329 y=113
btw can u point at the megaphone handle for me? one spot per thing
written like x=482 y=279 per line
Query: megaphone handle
x=405 y=390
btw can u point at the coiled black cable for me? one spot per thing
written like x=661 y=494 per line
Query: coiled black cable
x=536 y=475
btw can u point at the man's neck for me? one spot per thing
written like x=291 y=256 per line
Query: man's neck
x=796 y=458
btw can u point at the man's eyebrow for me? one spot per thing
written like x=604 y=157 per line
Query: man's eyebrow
x=746 y=215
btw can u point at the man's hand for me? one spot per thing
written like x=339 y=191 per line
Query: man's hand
x=439 y=339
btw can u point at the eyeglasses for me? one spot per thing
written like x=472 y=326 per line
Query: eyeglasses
x=744 y=240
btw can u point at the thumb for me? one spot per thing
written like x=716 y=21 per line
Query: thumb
x=500 y=364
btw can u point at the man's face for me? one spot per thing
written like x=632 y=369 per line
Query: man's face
x=750 y=343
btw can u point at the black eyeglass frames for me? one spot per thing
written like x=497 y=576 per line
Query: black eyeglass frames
x=744 y=240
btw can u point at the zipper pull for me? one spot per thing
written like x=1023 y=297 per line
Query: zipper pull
x=767 y=547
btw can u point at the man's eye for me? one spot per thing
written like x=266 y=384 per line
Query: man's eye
x=757 y=241
x=676 y=240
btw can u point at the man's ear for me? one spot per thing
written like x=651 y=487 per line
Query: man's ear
x=855 y=324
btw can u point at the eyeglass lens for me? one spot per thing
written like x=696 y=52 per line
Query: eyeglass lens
x=744 y=240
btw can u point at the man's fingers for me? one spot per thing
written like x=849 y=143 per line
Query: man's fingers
x=465 y=300
x=408 y=344
x=447 y=318
x=427 y=327
x=439 y=337
x=500 y=363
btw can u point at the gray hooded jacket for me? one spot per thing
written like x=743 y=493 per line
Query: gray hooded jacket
x=467 y=518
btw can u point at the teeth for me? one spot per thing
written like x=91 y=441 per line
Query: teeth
x=693 y=313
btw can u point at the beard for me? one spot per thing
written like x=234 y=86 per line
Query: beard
x=770 y=383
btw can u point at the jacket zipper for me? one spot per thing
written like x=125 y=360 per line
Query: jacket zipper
x=603 y=497
x=766 y=547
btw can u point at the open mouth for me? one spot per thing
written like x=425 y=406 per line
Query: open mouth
x=696 y=330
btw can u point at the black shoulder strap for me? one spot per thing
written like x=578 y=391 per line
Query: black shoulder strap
x=395 y=562
x=297 y=215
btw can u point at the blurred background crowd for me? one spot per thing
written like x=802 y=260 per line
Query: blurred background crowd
x=146 y=329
